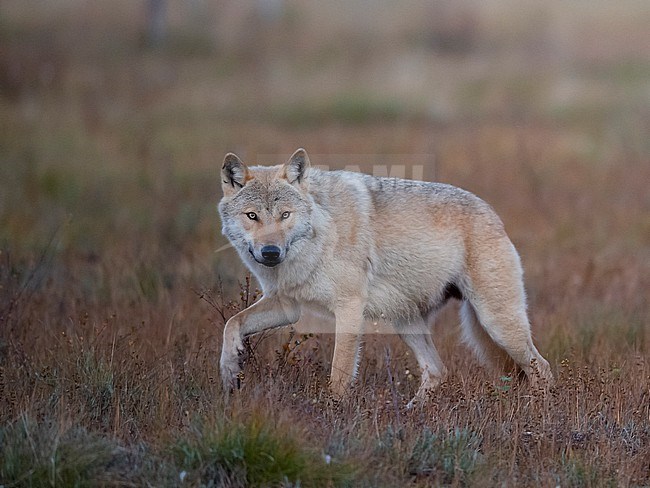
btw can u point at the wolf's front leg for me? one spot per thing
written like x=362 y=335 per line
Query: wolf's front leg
x=268 y=313
x=349 y=329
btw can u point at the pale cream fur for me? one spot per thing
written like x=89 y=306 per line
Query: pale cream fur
x=361 y=247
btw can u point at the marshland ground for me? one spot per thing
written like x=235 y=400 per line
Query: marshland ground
x=112 y=297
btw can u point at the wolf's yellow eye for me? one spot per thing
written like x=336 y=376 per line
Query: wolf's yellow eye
x=285 y=215
x=251 y=215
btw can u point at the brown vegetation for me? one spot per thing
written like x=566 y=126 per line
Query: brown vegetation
x=112 y=298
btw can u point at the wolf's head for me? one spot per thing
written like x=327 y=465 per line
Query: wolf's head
x=266 y=210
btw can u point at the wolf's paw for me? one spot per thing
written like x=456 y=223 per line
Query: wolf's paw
x=424 y=393
x=340 y=385
x=231 y=374
x=415 y=401
x=230 y=368
x=419 y=400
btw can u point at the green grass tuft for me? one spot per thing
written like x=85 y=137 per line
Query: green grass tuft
x=48 y=455
x=448 y=457
x=255 y=453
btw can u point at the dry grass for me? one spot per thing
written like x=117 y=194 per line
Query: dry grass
x=112 y=298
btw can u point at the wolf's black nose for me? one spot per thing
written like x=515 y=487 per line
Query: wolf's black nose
x=271 y=253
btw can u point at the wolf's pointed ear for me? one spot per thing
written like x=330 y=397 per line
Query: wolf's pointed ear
x=295 y=170
x=234 y=174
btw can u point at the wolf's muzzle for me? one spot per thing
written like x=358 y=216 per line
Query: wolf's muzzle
x=270 y=256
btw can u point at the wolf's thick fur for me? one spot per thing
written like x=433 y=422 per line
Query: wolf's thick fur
x=364 y=247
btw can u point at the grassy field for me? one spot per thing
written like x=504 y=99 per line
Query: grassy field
x=113 y=299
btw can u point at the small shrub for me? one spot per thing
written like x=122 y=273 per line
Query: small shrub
x=47 y=455
x=254 y=453
x=578 y=472
x=446 y=457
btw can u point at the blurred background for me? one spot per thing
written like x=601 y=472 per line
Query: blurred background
x=115 y=116
x=114 y=120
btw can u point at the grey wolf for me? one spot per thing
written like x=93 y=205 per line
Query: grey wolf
x=363 y=247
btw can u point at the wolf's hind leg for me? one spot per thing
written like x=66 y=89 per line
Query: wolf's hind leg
x=497 y=297
x=477 y=338
x=512 y=334
x=417 y=335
